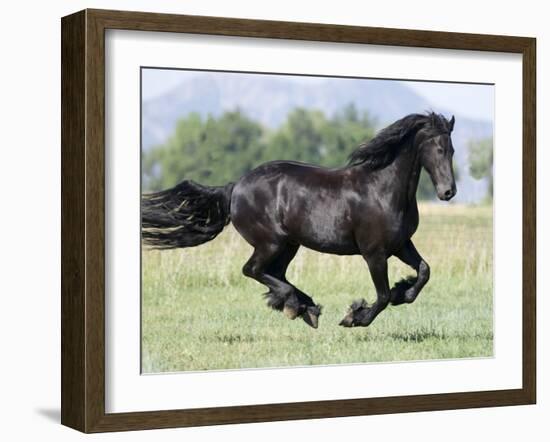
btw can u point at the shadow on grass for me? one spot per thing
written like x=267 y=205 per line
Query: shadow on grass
x=421 y=335
x=229 y=338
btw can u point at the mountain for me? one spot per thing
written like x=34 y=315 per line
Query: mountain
x=269 y=98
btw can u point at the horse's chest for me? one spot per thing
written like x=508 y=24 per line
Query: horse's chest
x=401 y=226
x=388 y=231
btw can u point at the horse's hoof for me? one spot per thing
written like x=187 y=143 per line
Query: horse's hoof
x=290 y=312
x=347 y=321
x=354 y=314
x=311 y=320
x=311 y=316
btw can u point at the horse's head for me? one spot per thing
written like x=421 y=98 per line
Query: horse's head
x=436 y=154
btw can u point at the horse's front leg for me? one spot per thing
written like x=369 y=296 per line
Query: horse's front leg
x=406 y=290
x=360 y=313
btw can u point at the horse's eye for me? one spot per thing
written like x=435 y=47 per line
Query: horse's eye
x=439 y=150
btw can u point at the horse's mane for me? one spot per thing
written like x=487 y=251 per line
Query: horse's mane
x=384 y=147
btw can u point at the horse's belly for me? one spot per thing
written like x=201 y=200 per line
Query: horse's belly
x=335 y=248
x=325 y=234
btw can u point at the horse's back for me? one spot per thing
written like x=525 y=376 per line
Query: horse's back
x=276 y=179
x=296 y=202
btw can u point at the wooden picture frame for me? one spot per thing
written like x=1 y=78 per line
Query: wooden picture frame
x=83 y=220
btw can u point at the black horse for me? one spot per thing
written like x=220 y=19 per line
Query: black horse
x=367 y=208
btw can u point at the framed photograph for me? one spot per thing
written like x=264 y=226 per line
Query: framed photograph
x=269 y=220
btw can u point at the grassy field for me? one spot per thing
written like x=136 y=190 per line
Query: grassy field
x=199 y=312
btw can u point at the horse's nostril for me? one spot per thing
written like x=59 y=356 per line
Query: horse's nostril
x=448 y=193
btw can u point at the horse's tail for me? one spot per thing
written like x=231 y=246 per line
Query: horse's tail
x=186 y=215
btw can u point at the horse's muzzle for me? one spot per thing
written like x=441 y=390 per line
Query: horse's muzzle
x=447 y=194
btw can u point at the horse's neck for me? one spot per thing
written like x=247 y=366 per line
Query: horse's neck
x=405 y=173
x=413 y=169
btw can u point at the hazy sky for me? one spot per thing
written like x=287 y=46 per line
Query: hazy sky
x=476 y=101
x=468 y=99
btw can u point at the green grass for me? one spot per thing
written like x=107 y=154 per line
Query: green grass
x=200 y=313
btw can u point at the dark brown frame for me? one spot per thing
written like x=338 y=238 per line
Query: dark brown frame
x=83 y=216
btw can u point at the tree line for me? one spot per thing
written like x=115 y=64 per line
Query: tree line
x=217 y=150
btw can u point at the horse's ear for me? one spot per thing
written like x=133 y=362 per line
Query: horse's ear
x=451 y=123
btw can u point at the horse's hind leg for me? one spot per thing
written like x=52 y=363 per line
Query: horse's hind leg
x=281 y=262
x=298 y=303
x=268 y=265
x=407 y=290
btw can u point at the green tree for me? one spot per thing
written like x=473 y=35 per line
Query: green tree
x=480 y=157
x=309 y=136
x=216 y=150
x=298 y=139
x=212 y=152
x=343 y=133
